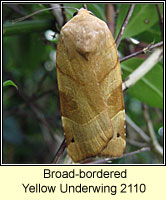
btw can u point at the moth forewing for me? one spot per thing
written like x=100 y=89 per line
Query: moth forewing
x=90 y=88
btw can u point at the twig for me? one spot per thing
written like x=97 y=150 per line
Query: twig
x=159 y=114
x=160 y=19
x=146 y=66
x=106 y=160
x=136 y=143
x=144 y=50
x=59 y=152
x=109 y=9
x=40 y=11
x=141 y=133
x=131 y=8
x=63 y=14
x=156 y=145
x=57 y=13
x=84 y=6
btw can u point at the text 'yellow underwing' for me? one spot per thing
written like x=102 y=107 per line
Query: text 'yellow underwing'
x=90 y=88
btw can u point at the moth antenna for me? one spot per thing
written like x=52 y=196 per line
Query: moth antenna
x=39 y=11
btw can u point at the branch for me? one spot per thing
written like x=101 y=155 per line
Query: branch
x=130 y=11
x=84 y=6
x=110 y=13
x=57 y=13
x=63 y=14
x=145 y=67
x=144 y=50
x=156 y=145
x=106 y=160
x=136 y=143
x=160 y=19
x=59 y=152
x=141 y=133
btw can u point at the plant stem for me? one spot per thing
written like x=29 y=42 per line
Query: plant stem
x=59 y=152
x=144 y=50
x=119 y=37
x=156 y=145
x=160 y=18
x=145 y=67
x=141 y=133
x=110 y=13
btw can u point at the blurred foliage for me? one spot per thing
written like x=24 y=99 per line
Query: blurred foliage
x=9 y=82
x=32 y=130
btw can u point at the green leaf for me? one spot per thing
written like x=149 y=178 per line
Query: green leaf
x=26 y=27
x=152 y=34
x=143 y=18
x=9 y=82
x=149 y=89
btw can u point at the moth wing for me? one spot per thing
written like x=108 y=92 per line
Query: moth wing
x=89 y=81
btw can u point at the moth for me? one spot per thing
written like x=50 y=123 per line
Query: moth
x=90 y=89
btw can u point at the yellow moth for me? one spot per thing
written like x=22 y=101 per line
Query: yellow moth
x=90 y=88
